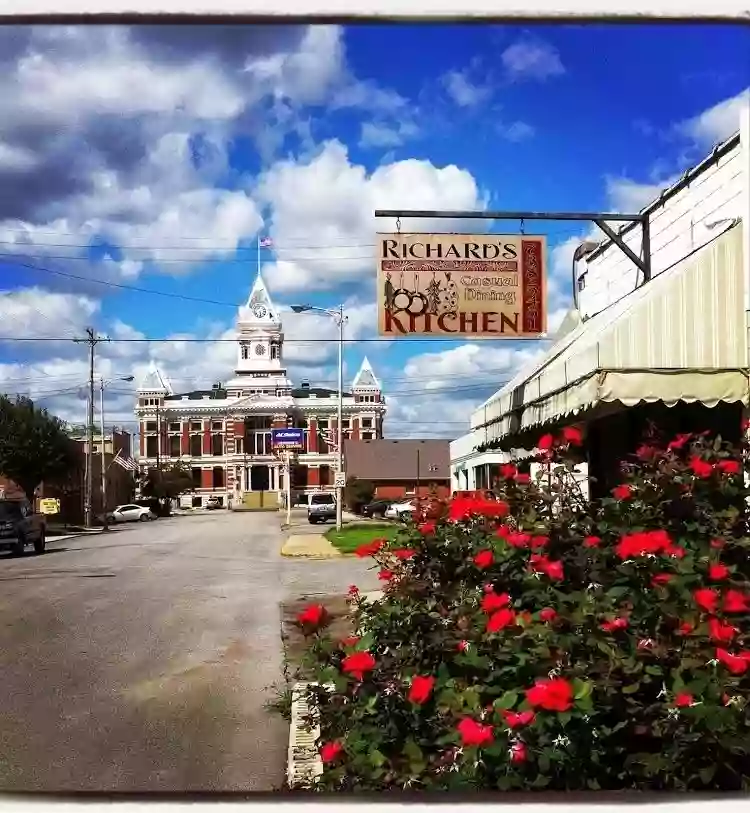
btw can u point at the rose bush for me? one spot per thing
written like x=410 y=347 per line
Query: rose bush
x=537 y=642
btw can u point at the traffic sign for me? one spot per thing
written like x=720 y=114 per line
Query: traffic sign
x=340 y=480
x=49 y=506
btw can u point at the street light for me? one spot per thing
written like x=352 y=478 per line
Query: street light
x=104 y=459
x=341 y=319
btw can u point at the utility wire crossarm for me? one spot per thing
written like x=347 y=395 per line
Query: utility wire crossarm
x=601 y=219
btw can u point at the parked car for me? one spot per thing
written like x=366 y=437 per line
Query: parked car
x=321 y=508
x=401 y=510
x=376 y=508
x=213 y=503
x=131 y=513
x=20 y=526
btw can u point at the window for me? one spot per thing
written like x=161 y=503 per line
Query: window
x=95 y=448
x=151 y=446
x=581 y=282
x=217 y=426
x=217 y=445
x=325 y=475
x=195 y=426
x=151 y=426
x=258 y=422
x=196 y=445
x=196 y=475
x=323 y=423
x=321 y=499
x=345 y=423
x=368 y=436
x=239 y=445
x=274 y=351
x=367 y=423
x=218 y=477
x=174 y=427
x=244 y=351
x=174 y=446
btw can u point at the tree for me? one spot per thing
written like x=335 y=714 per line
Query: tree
x=358 y=493
x=167 y=482
x=34 y=445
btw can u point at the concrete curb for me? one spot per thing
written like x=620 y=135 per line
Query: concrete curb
x=309 y=546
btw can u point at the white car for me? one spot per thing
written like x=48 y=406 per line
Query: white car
x=400 y=510
x=131 y=513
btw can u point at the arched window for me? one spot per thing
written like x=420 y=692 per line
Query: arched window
x=244 y=351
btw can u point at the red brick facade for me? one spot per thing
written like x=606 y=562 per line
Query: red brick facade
x=399 y=490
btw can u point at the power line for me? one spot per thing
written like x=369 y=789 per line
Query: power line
x=197 y=340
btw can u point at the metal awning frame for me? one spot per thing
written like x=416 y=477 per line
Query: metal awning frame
x=643 y=263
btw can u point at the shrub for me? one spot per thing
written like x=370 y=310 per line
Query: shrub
x=537 y=642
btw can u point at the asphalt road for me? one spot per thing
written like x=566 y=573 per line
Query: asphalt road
x=141 y=661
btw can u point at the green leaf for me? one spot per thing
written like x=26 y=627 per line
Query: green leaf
x=508 y=700
x=654 y=670
x=582 y=688
x=412 y=750
x=376 y=758
x=631 y=689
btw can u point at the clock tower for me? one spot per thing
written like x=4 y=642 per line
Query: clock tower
x=260 y=342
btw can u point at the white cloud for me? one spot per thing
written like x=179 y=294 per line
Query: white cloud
x=531 y=58
x=323 y=212
x=626 y=195
x=717 y=123
x=373 y=134
x=28 y=313
x=517 y=131
x=463 y=91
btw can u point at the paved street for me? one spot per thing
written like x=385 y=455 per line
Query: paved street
x=140 y=660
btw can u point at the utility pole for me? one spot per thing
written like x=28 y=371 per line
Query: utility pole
x=417 y=491
x=91 y=340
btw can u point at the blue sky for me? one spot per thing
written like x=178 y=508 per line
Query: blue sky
x=152 y=158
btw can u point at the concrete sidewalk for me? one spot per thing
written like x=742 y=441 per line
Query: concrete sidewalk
x=310 y=546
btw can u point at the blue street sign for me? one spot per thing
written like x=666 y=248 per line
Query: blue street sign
x=288 y=438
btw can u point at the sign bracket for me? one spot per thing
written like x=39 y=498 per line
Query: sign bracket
x=598 y=218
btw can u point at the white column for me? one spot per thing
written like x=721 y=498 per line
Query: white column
x=248 y=480
x=745 y=205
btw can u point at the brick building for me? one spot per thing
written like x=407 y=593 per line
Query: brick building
x=400 y=468
x=223 y=434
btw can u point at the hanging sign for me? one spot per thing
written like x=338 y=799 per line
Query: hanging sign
x=49 y=506
x=479 y=286
x=289 y=439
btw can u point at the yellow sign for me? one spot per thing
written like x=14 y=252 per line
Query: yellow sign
x=462 y=286
x=49 y=506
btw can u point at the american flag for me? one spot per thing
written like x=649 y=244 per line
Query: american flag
x=266 y=242
x=126 y=463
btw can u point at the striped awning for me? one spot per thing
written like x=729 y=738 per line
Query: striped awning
x=681 y=337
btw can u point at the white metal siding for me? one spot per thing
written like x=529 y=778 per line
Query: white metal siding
x=678 y=227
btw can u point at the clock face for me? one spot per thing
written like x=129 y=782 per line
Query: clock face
x=259 y=311
x=260 y=350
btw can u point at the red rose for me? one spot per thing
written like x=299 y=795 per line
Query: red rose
x=539 y=542
x=353 y=590
x=641 y=543
x=729 y=466
x=676 y=551
x=546 y=442
x=701 y=468
x=678 y=442
x=462 y=646
x=573 y=435
x=518 y=539
x=474 y=733
x=516 y=719
x=736 y=664
x=404 y=553
x=718 y=544
x=508 y=471
x=492 y=602
x=541 y=564
x=523 y=479
x=500 y=620
x=385 y=575
x=357 y=664
x=660 y=579
x=421 y=689
x=615 y=624
x=551 y=694
x=645 y=452
x=518 y=752
x=592 y=542
x=720 y=631
x=706 y=599
x=312 y=615
x=717 y=572
x=330 y=751
x=484 y=559
x=621 y=492
x=548 y=614
x=370 y=548
x=427 y=528
x=352 y=640
x=683 y=700
x=735 y=601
